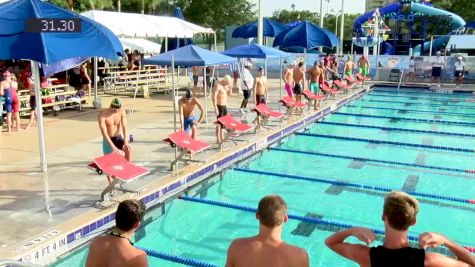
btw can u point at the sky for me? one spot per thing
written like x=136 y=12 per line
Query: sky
x=351 y=6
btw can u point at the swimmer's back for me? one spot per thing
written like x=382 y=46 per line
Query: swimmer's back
x=110 y=251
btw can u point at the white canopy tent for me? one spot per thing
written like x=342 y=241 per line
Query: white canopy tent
x=142 y=45
x=140 y=25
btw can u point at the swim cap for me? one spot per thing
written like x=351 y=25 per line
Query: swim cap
x=227 y=78
x=188 y=94
x=115 y=103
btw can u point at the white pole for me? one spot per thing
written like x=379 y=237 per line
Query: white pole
x=280 y=82
x=376 y=34
x=39 y=116
x=430 y=48
x=342 y=25
x=174 y=93
x=206 y=94
x=95 y=78
x=321 y=22
x=215 y=43
x=260 y=30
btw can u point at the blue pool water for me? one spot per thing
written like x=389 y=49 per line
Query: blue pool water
x=203 y=232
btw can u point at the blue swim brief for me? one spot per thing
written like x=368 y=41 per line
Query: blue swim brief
x=188 y=123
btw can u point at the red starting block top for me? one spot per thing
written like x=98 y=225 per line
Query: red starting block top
x=116 y=165
x=183 y=140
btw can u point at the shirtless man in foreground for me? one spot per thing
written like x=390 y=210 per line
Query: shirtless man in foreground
x=187 y=106
x=289 y=79
x=111 y=121
x=299 y=78
x=116 y=249
x=267 y=247
x=220 y=100
x=260 y=87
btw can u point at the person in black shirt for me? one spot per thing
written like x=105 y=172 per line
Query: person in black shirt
x=399 y=213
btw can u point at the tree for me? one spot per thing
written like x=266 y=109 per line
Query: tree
x=286 y=16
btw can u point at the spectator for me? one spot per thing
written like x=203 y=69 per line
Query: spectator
x=459 y=70
x=267 y=247
x=437 y=63
x=411 y=72
x=399 y=213
x=116 y=249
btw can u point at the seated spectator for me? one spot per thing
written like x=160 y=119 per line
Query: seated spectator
x=116 y=249
x=267 y=247
x=399 y=213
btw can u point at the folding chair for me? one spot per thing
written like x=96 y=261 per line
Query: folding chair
x=264 y=114
x=233 y=127
x=313 y=98
x=394 y=75
x=121 y=171
x=292 y=106
x=187 y=147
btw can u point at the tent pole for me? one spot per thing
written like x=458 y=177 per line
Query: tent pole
x=280 y=81
x=174 y=100
x=215 y=43
x=95 y=78
x=39 y=116
x=166 y=43
x=206 y=95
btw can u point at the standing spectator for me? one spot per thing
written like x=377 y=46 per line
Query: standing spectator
x=399 y=213
x=85 y=79
x=74 y=78
x=247 y=85
x=8 y=89
x=437 y=63
x=115 y=248
x=267 y=248
x=459 y=70
x=411 y=72
x=30 y=85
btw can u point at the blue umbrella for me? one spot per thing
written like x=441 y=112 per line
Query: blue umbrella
x=271 y=28
x=306 y=35
x=58 y=44
x=254 y=51
x=174 y=43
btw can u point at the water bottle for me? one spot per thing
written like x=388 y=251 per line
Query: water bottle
x=131 y=138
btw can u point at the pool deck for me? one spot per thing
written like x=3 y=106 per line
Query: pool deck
x=72 y=141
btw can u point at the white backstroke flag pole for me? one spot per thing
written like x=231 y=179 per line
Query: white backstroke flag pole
x=260 y=22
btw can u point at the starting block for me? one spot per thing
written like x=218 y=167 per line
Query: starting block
x=121 y=171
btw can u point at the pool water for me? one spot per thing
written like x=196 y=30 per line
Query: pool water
x=204 y=232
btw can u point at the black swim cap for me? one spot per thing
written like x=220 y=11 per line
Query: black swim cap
x=188 y=94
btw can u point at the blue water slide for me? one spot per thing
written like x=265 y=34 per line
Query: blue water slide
x=438 y=43
x=357 y=26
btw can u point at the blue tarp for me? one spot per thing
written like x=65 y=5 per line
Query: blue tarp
x=271 y=28
x=93 y=40
x=255 y=51
x=174 y=43
x=188 y=56
x=306 y=35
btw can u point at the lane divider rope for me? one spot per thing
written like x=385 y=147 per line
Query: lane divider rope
x=373 y=160
x=175 y=258
x=292 y=216
x=453 y=100
x=395 y=129
x=375 y=141
x=354 y=185
x=415 y=111
x=418 y=104
x=466 y=123
x=426 y=92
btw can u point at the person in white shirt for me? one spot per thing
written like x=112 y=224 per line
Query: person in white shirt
x=459 y=69
x=247 y=85
x=437 y=64
x=411 y=72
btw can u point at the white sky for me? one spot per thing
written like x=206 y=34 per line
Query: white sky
x=351 y=6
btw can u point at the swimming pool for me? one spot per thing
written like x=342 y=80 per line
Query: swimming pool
x=334 y=174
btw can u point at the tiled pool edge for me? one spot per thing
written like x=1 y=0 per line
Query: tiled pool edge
x=46 y=248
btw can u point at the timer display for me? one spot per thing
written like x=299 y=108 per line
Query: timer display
x=53 y=25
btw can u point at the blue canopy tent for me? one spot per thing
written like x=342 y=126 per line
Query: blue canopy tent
x=188 y=56
x=174 y=43
x=271 y=28
x=257 y=51
x=306 y=35
x=50 y=47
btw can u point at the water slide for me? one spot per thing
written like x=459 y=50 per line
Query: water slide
x=438 y=43
x=357 y=26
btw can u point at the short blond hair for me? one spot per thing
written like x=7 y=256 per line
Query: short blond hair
x=227 y=78
x=272 y=210
x=400 y=210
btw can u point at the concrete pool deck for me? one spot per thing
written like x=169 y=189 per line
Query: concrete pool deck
x=72 y=141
